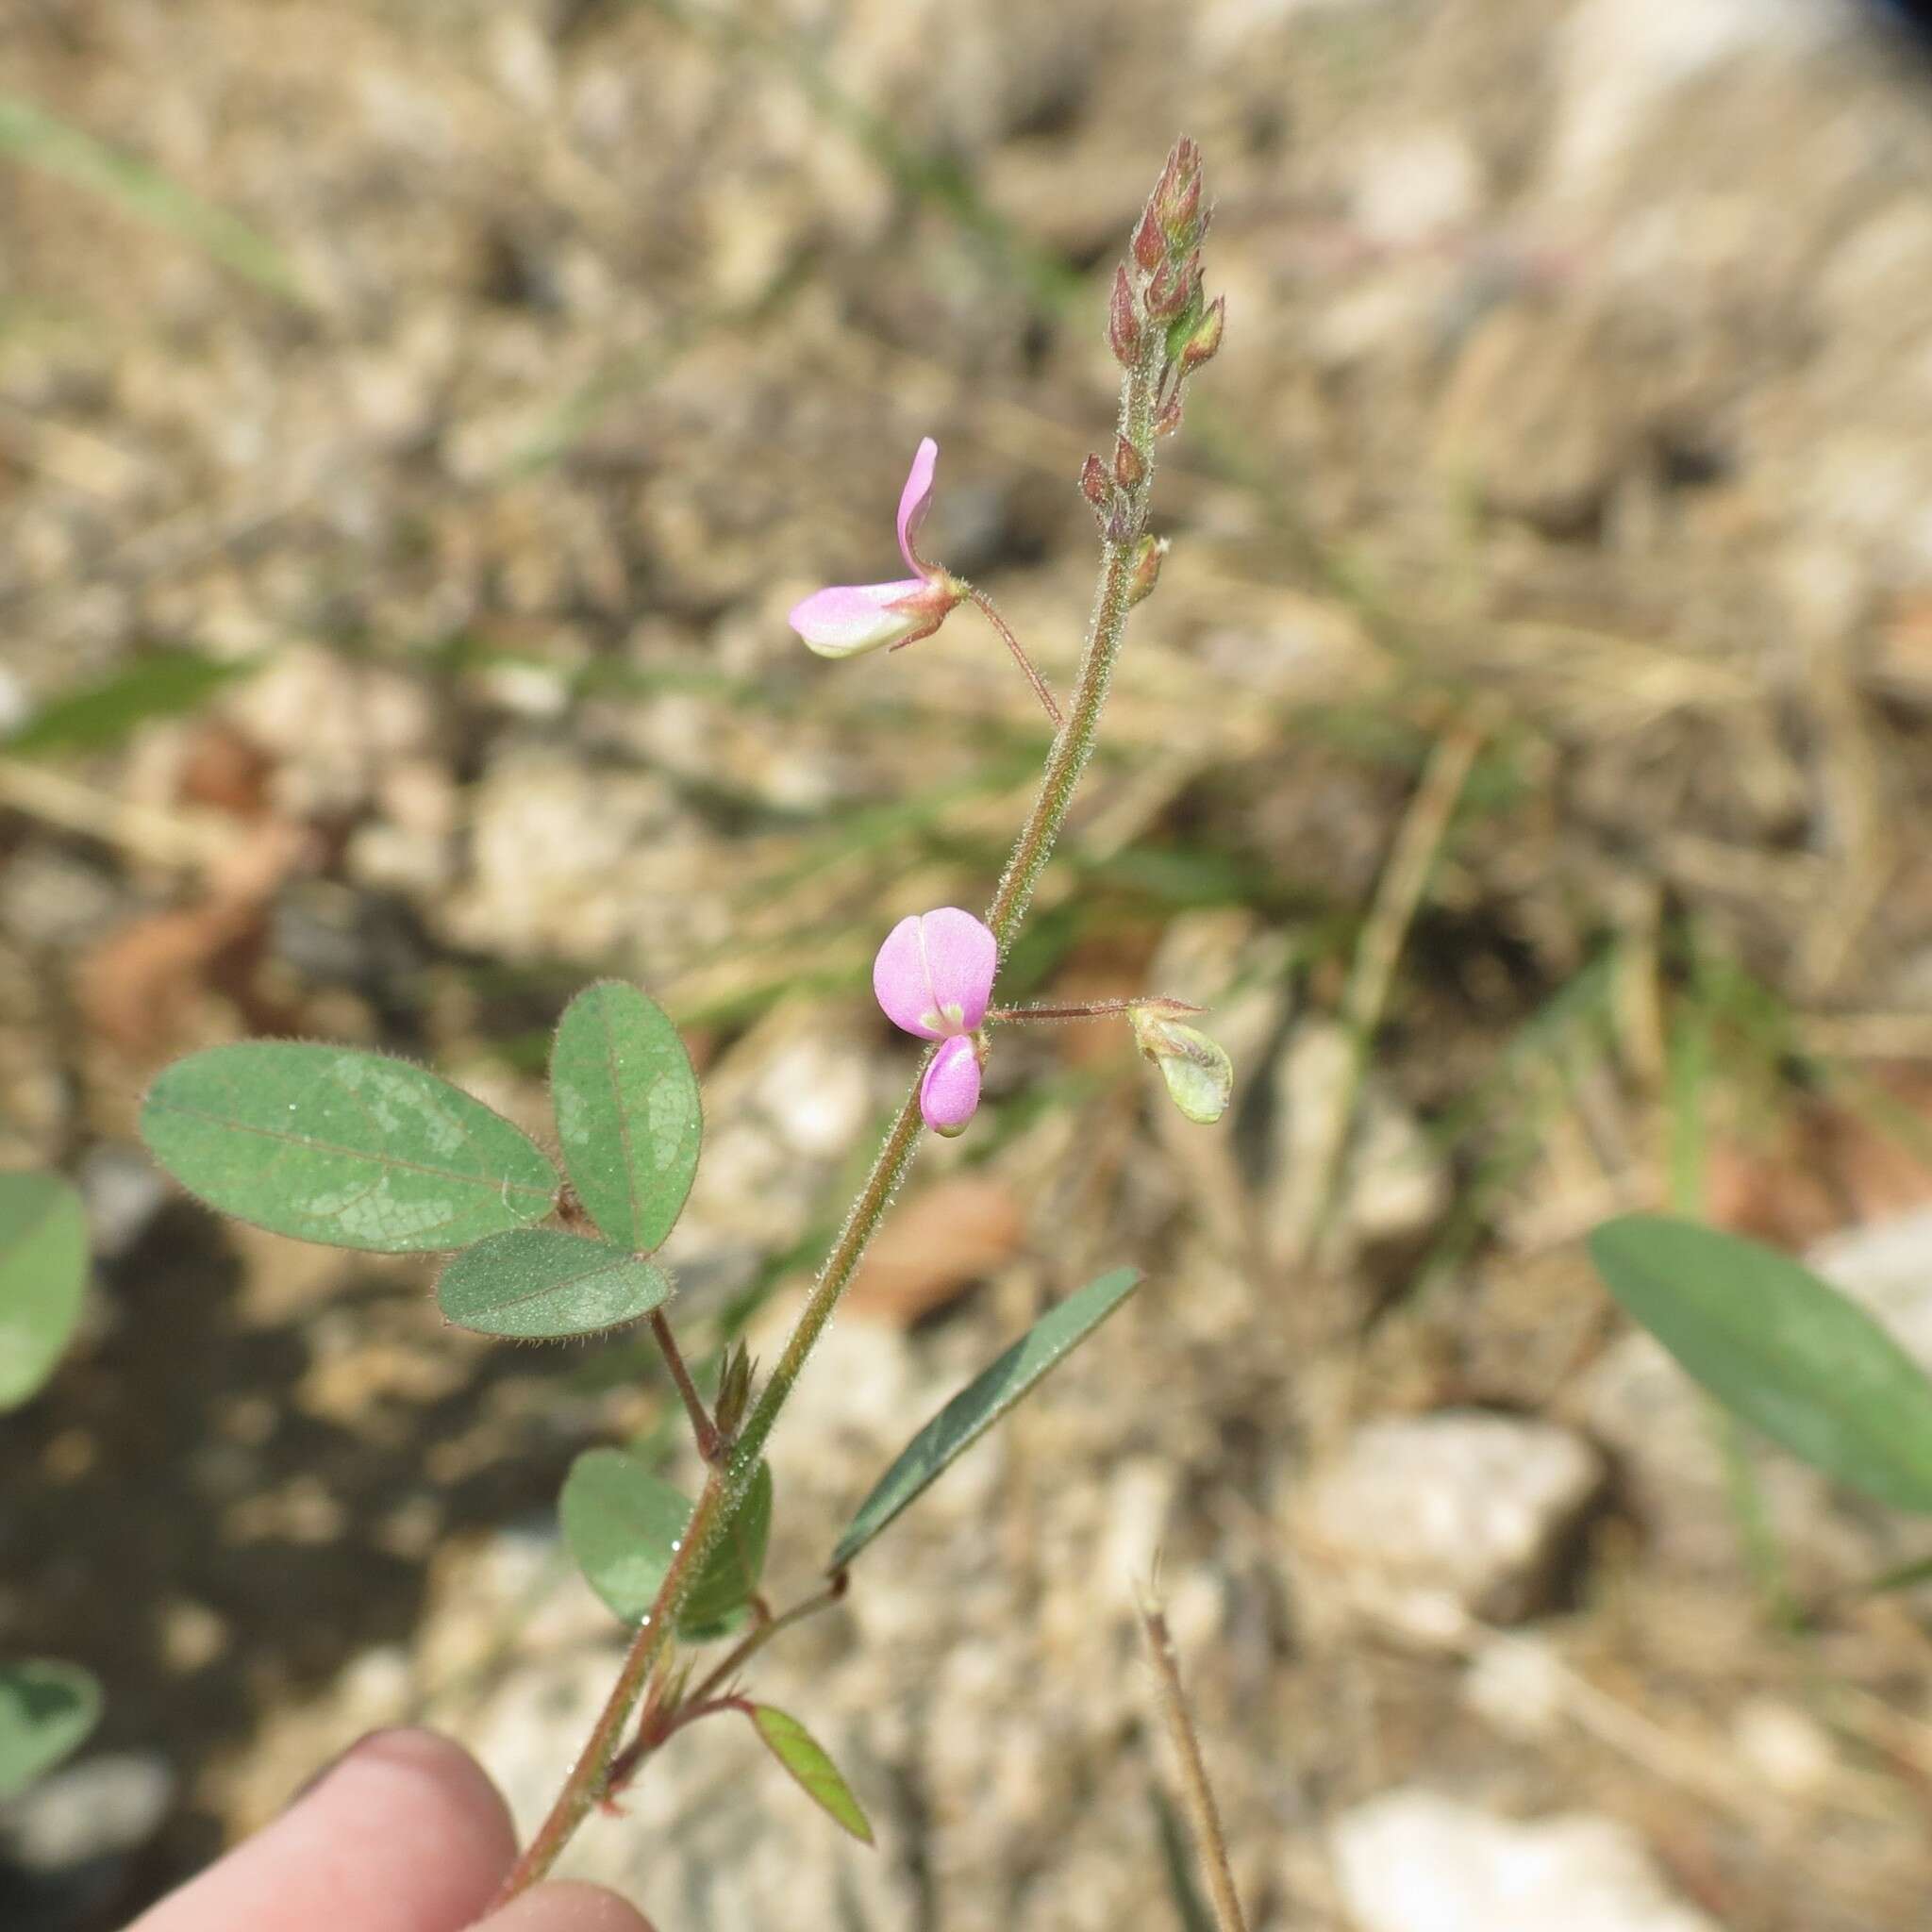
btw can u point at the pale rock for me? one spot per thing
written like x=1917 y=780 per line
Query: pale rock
x=1429 y=1521
x=1390 y=1186
x=1517 y=1683
x=1622 y=59
x=1413 y=1861
x=1411 y=186
x=103 y=1807
x=577 y=863
x=123 y=1191
x=16 y=706
x=1787 y=1747
x=333 y=726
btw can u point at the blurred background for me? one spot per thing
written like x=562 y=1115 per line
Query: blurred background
x=416 y=417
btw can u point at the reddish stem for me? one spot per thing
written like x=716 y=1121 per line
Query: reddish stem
x=1041 y=689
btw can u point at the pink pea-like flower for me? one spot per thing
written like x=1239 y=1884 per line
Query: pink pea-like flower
x=933 y=977
x=847 y=619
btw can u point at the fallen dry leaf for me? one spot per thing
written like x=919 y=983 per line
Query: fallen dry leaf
x=934 y=1248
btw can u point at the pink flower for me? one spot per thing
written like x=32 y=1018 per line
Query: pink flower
x=933 y=977
x=847 y=619
x=950 y=1091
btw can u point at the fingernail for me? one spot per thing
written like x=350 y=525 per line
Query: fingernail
x=329 y=1769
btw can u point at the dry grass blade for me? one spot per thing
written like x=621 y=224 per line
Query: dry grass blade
x=1197 y=1794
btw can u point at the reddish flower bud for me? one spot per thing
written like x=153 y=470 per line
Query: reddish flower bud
x=1186 y=218
x=1123 y=324
x=1167 y=293
x=1168 y=419
x=1128 y=468
x=1182 y=161
x=1150 y=248
x=1094 y=483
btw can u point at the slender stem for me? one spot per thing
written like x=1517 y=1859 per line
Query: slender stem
x=1040 y=688
x=1073 y=746
x=659 y=1725
x=1086 y=1010
x=1204 y=1816
x=710 y=1443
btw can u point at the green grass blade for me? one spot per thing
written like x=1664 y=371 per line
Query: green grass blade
x=43 y=139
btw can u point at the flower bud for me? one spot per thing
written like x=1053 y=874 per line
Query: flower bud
x=1129 y=470
x=1167 y=293
x=1199 y=1075
x=1168 y=419
x=1182 y=171
x=1150 y=246
x=1184 y=223
x=1148 y=553
x=1093 y=484
x=1204 y=340
x=734 y=1390
x=1123 y=324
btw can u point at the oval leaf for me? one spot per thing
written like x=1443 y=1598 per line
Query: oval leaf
x=982 y=1403
x=628 y=1113
x=537 y=1282
x=1784 y=1349
x=732 y=1571
x=43 y=1278
x=47 y=1709
x=804 y=1756
x=623 y=1525
x=351 y=1149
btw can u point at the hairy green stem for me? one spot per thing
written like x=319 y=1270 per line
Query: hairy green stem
x=1073 y=746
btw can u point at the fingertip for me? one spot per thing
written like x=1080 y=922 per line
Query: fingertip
x=403 y=1833
x=438 y=1775
x=567 y=1906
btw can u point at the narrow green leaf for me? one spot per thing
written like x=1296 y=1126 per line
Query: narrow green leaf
x=1907 y=1576
x=350 y=1149
x=537 y=1283
x=1782 y=1349
x=31 y=134
x=46 y=1709
x=805 y=1758
x=981 y=1404
x=161 y=685
x=43 y=1278
x=730 y=1576
x=623 y=1525
x=627 y=1115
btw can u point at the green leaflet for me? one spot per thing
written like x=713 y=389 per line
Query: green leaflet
x=623 y=1525
x=628 y=1114
x=43 y=1278
x=982 y=1403
x=537 y=1283
x=47 y=1709
x=805 y=1758
x=1780 y=1348
x=351 y=1149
